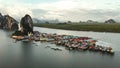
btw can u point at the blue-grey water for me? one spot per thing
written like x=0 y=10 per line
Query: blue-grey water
x=36 y=55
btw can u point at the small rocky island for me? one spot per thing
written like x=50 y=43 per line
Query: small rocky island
x=26 y=26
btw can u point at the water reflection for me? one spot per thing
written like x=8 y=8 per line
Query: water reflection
x=26 y=54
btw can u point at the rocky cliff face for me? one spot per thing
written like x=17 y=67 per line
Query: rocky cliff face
x=8 y=23
x=1 y=20
x=26 y=24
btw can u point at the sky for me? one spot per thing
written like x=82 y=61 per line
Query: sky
x=64 y=10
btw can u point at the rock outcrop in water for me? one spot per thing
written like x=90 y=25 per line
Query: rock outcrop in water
x=8 y=23
x=26 y=24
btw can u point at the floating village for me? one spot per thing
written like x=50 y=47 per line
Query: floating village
x=71 y=42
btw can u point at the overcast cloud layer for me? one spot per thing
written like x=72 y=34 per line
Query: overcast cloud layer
x=74 y=10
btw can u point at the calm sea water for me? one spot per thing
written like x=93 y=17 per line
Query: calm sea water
x=36 y=55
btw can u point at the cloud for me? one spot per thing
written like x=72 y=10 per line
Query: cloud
x=16 y=12
x=15 y=8
x=74 y=10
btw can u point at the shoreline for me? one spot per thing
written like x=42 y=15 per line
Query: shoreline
x=101 y=27
x=79 y=30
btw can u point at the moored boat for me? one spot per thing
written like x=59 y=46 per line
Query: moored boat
x=18 y=37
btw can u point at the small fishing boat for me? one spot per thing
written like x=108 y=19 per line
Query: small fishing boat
x=83 y=47
x=18 y=37
x=26 y=40
x=50 y=39
x=43 y=39
x=37 y=38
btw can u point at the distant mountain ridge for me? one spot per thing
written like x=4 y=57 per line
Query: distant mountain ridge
x=36 y=20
